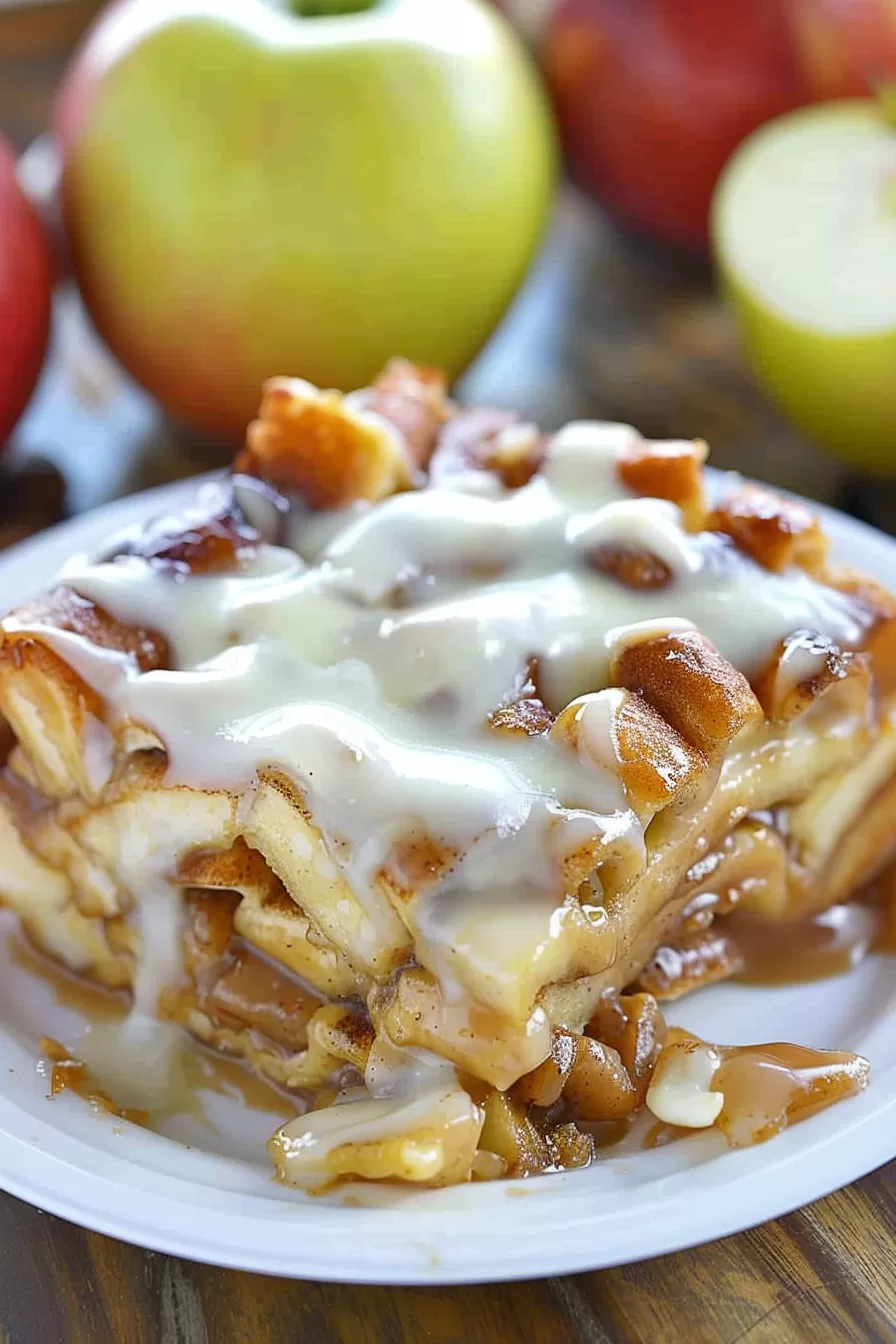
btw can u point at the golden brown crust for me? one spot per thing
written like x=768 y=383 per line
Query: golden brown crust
x=670 y=470
x=688 y=682
x=777 y=532
x=64 y=609
x=690 y=963
x=305 y=441
x=656 y=765
x=412 y=398
x=653 y=761
x=331 y=449
x=230 y=869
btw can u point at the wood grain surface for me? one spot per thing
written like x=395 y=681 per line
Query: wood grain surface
x=605 y=326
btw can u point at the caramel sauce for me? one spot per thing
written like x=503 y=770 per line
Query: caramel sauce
x=255 y=995
x=236 y=984
x=883 y=893
x=231 y=1078
x=659 y=1134
x=797 y=951
x=886 y=939
x=768 y=1087
x=206 y=1069
x=85 y=997
x=71 y=1074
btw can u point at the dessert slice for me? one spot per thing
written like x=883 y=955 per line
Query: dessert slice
x=421 y=758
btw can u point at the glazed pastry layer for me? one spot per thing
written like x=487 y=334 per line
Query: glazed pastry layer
x=424 y=754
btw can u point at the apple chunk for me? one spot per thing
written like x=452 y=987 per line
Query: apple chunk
x=804 y=230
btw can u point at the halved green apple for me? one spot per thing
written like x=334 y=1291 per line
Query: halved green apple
x=804 y=232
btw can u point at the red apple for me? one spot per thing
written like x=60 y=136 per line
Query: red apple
x=844 y=48
x=654 y=95
x=25 y=284
x=529 y=16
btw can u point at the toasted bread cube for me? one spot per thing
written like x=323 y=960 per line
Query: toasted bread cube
x=96 y=891
x=63 y=609
x=49 y=707
x=213 y=537
x=412 y=398
x=777 y=532
x=631 y=566
x=618 y=730
x=485 y=439
x=146 y=826
x=688 y=682
x=669 y=469
x=505 y=950
x=274 y=924
x=331 y=449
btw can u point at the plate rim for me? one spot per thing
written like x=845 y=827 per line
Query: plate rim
x=231 y=1237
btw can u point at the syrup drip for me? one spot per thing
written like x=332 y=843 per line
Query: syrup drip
x=206 y=1070
x=770 y=1086
x=798 y=951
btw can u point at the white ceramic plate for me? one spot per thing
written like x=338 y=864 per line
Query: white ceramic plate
x=204 y=1190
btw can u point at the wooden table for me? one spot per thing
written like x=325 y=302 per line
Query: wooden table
x=606 y=326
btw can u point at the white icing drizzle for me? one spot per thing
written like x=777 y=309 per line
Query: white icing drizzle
x=366 y=668
x=803 y=659
x=423 y=1122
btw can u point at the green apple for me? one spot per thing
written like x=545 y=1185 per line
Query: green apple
x=804 y=230
x=249 y=189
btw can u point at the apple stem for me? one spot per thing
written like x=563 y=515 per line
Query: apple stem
x=309 y=9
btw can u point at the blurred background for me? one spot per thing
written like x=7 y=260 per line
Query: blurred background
x=543 y=201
